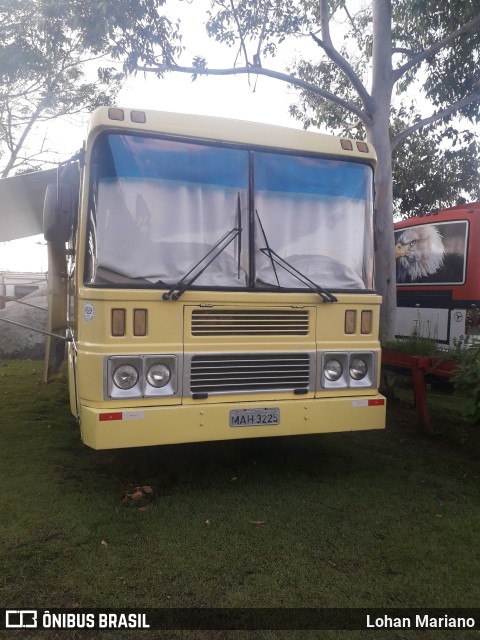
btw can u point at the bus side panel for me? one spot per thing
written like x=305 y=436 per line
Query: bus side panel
x=443 y=311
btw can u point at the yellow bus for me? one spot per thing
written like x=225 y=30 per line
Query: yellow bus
x=215 y=281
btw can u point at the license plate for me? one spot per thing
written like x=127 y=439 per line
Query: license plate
x=254 y=417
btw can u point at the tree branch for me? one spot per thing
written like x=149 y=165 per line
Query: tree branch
x=262 y=33
x=435 y=117
x=18 y=145
x=326 y=44
x=262 y=71
x=351 y=20
x=239 y=30
x=435 y=48
x=404 y=51
x=345 y=67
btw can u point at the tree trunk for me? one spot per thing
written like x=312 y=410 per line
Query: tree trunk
x=379 y=135
x=384 y=250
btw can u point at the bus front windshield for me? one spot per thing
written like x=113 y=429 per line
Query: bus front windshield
x=163 y=211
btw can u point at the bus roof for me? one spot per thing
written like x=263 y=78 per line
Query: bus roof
x=209 y=128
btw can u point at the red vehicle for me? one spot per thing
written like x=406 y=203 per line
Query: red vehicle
x=438 y=274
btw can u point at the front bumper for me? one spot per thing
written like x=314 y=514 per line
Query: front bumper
x=119 y=427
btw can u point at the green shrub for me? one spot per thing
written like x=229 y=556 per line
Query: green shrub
x=421 y=342
x=415 y=345
x=466 y=379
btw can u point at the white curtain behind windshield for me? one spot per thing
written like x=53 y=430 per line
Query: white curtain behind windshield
x=159 y=206
x=165 y=208
x=316 y=215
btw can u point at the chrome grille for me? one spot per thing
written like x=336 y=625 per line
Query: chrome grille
x=249 y=322
x=251 y=372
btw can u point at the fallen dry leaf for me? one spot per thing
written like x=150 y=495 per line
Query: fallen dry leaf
x=147 y=489
x=138 y=496
x=104 y=544
x=257 y=521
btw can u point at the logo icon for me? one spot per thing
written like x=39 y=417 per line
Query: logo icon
x=88 y=311
x=20 y=619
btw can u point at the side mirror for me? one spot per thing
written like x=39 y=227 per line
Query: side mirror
x=58 y=213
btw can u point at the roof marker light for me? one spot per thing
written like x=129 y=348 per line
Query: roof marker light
x=138 y=116
x=116 y=114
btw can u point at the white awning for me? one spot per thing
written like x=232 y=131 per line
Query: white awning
x=21 y=203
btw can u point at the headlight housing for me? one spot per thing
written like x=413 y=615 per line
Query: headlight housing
x=363 y=367
x=334 y=370
x=141 y=376
x=348 y=369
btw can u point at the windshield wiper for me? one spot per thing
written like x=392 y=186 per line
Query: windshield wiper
x=184 y=283
x=268 y=248
x=325 y=295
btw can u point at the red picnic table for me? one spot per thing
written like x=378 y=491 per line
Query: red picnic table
x=419 y=367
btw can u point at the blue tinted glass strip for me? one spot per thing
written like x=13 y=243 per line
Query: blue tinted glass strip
x=142 y=157
x=322 y=177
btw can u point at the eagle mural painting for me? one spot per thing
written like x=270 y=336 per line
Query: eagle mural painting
x=419 y=252
x=431 y=253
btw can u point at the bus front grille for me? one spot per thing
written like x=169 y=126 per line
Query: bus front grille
x=251 y=372
x=249 y=322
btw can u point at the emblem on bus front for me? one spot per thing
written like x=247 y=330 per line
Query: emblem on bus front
x=88 y=311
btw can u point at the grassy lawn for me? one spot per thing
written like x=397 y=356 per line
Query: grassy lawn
x=374 y=519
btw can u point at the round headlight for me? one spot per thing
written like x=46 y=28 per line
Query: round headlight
x=158 y=375
x=125 y=376
x=358 y=368
x=332 y=370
